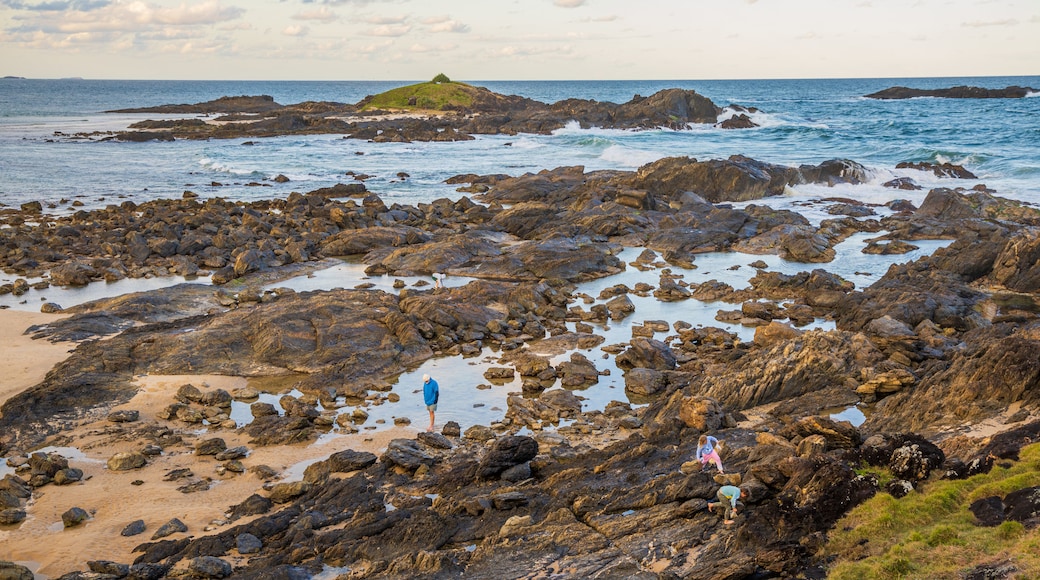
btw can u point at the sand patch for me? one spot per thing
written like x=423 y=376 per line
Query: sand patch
x=26 y=361
x=115 y=499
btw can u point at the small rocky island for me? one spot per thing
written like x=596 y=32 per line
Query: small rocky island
x=439 y=110
x=940 y=352
x=961 y=92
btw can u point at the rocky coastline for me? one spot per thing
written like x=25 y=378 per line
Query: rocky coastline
x=936 y=348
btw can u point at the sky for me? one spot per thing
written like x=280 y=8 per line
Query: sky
x=517 y=39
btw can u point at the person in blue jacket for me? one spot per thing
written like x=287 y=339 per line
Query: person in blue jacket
x=431 y=393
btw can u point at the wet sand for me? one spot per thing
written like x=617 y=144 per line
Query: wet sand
x=26 y=361
x=116 y=499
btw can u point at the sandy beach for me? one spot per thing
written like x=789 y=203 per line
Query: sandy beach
x=115 y=499
x=26 y=361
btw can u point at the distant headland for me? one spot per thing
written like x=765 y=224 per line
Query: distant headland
x=962 y=92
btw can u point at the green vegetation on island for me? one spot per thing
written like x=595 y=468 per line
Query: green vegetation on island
x=931 y=533
x=440 y=94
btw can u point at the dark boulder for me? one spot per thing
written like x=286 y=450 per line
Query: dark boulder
x=505 y=453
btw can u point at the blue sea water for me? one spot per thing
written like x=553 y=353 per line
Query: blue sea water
x=802 y=121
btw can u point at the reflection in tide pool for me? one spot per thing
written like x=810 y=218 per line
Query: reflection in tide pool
x=852 y=414
x=469 y=399
x=69 y=296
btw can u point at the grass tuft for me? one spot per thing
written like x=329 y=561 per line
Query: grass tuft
x=931 y=534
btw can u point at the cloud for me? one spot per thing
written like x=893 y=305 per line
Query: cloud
x=607 y=18
x=449 y=26
x=390 y=30
x=130 y=17
x=421 y=48
x=988 y=23
x=568 y=3
x=385 y=19
x=56 y=5
x=296 y=30
x=531 y=50
x=322 y=14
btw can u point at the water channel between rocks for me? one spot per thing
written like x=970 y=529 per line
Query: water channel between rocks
x=470 y=399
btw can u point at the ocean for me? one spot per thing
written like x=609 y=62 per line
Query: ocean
x=801 y=121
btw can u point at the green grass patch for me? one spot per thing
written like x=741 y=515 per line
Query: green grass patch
x=931 y=534
x=431 y=96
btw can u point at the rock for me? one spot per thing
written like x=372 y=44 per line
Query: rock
x=645 y=382
x=125 y=461
x=812 y=445
x=74 y=517
x=959 y=92
x=50 y=308
x=232 y=453
x=349 y=460
x=253 y=505
x=12 y=571
x=1024 y=506
x=647 y=353
x=406 y=453
x=837 y=434
x=898 y=488
x=620 y=307
x=517 y=473
x=916 y=459
x=209 y=567
x=507 y=452
x=988 y=511
x=11 y=516
x=133 y=528
x=171 y=527
x=189 y=393
x=451 y=429
x=109 y=568
x=435 y=440
x=479 y=433
x=125 y=416
x=286 y=492
x=248 y=544
x=68 y=476
x=211 y=446
x=701 y=413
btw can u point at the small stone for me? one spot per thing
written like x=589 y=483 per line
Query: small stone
x=126 y=461
x=109 y=568
x=232 y=453
x=209 y=567
x=248 y=544
x=171 y=527
x=210 y=446
x=12 y=571
x=133 y=528
x=124 y=416
x=10 y=517
x=235 y=466
x=74 y=517
x=68 y=476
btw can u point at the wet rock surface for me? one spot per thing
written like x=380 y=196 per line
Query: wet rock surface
x=929 y=347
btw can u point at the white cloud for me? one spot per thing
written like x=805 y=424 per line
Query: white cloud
x=988 y=23
x=385 y=19
x=322 y=14
x=390 y=30
x=449 y=26
x=420 y=48
x=132 y=17
x=296 y=30
x=568 y=3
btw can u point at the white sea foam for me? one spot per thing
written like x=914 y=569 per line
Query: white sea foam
x=628 y=157
x=222 y=167
x=762 y=118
